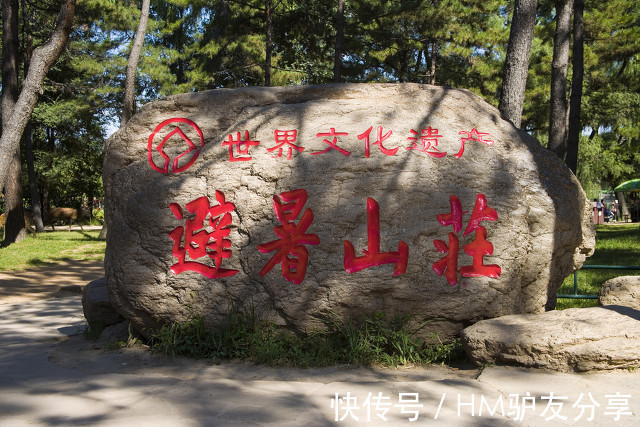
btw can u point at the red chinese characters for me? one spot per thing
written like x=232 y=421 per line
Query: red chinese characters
x=425 y=141
x=379 y=141
x=477 y=249
x=474 y=135
x=290 y=250
x=242 y=146
x=333 y=144
x=372 y=255
x=207 y=227
x=449 y=264
x=285 y=139
x=429 y=142
x=480 y=245
x=198 y=241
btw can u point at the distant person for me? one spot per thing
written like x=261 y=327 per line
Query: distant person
x=614 y=210
x=599 y=208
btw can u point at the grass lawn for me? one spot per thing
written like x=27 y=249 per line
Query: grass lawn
x=52 y=248
x=615 y=245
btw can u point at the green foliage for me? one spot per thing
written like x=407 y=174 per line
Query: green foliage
x=611 y=105
x=68 y=122
x=604 y=163
x=98 y=215
x=615 y=245
x=198 y=44
x=377 y=340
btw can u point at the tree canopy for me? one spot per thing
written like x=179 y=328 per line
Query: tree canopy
x=206 y=44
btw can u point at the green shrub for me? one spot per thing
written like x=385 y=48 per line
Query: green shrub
x=97 y=216
x=375 y=340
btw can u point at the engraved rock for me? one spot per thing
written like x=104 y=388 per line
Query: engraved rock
x=350 y=199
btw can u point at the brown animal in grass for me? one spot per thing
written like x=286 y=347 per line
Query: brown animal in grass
x=28 y=222
x=55 y=214
x=67 y=214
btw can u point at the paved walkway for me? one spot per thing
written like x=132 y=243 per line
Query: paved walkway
x=48 y=281
x=51 y=375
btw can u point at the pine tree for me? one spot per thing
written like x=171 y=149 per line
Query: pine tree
x=516 y=66
x=43 y=58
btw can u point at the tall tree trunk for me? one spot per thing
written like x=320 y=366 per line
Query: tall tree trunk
x=575 y=101
x=43 y=58
x=559 y=69
x=269 y=46
x=404 y=66
x=516 y=64
x=129 y=104
x=27 y=136
x=36 y=206
x=434 y=56
x=337 y=59
x=9 y=61
x=14 y=215
x=624 y=209
x=15 y=230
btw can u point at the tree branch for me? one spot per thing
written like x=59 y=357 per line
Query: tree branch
x=43 y=59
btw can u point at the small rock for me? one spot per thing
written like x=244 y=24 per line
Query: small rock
x=117 y=332
x=97 y=306
x=623 y=290
x=122 y=331
x=578 y=339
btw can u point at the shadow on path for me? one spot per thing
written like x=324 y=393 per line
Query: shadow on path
x=51 y=375
x=48 y=281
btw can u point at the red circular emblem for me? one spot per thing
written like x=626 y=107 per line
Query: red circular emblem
x=170 y=130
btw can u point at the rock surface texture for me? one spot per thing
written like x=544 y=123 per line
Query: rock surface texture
x=577 y=339
x=403 y=199
x=623 y=290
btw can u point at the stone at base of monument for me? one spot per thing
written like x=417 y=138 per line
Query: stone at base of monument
x=353 y=199
x=120 y=332
x=577 y=339
x=623 y=290
x=97 y=306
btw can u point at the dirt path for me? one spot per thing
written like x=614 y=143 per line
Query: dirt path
x=48 y=281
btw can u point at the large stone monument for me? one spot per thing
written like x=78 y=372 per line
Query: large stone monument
x=349 y=199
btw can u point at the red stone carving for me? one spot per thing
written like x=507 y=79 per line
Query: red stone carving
x=285 y=139
x=379 y=141
x=242 y=146
x=290 y=253
x=480 y=245
x=454 y=217
x=448 y=264
x=193 y=150
x=478 y=248
x=473 y=135
x=372 y=255
x=198 y=242
x=428 y=140
x=333 y=144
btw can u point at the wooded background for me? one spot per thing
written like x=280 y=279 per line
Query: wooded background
x=583 y=100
